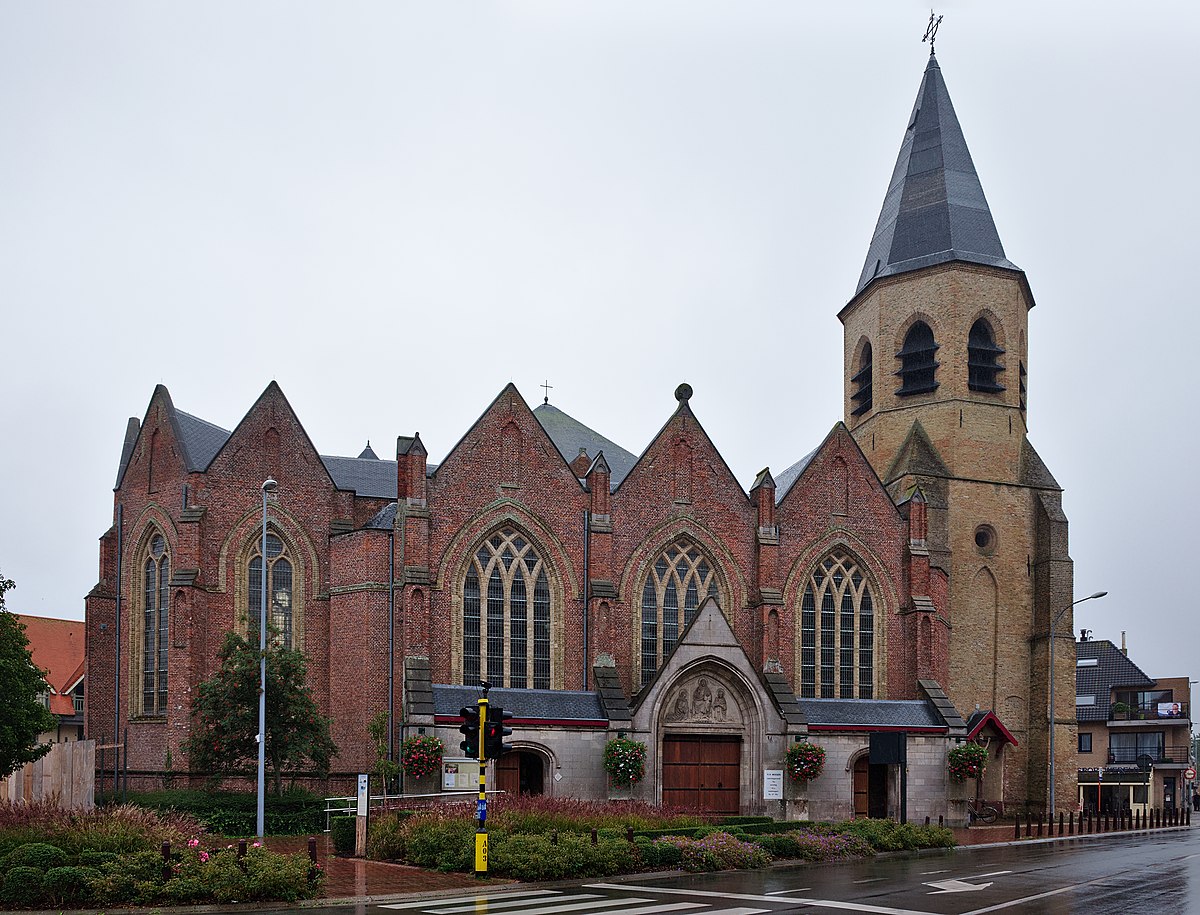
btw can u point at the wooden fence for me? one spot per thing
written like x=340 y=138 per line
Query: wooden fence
x=66 y=774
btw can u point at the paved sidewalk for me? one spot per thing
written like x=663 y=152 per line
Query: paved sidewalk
x=354 y=878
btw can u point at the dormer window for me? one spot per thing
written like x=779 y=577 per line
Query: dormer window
x=862 y=383
x=917 y=363
x=983 y=359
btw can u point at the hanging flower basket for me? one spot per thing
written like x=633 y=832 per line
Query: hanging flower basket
x=805 y=761
x=421 y=755
x=967 y=760
x=624 y=761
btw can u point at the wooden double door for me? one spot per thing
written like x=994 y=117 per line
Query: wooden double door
x=870 y=789
x=702 y=772
x=520 y=772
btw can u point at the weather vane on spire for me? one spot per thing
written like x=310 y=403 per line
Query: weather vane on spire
x=931 y=31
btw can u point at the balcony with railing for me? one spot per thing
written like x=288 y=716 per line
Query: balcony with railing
x=1159 y=712
x=1148 y=756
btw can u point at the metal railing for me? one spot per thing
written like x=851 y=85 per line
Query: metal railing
x=1131 y=756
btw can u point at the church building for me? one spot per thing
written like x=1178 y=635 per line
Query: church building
x=886 y=597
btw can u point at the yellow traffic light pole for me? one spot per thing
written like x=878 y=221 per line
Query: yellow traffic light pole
x=481 y=838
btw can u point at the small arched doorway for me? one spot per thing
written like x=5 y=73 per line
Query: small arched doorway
x=870 y=789
x=521 y=772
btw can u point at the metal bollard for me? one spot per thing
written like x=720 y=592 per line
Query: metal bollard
x=594 y=837
x=1060 y=822
x=1028 y=824
x=1039 y=824
x=312 y=849
x=629 y=834
x=241 y=849
x=1017 y=828
x=166 y=859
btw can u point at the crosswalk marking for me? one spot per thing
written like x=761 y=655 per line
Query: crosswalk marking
x=501 y=902
x=593 y=904
x=749 y=897
x=474 y=898
x=664 y=907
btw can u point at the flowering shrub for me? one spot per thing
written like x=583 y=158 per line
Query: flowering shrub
x=967 y=760
x=421 y=755
x=805 y=761
x=624 y=761
x=811 y=846
x=717 y=852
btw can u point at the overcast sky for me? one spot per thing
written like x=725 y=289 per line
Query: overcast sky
x=394 y=209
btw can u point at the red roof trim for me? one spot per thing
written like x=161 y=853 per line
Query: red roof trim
x=536 y=722
x=990 y=718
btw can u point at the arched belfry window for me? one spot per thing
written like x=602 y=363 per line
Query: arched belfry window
x=837 y=632
x=678 y=582
x=281 y=617
x=983 y=359
x=918 y=366
x=506 y=614
x=156 y=581
x=862 y=383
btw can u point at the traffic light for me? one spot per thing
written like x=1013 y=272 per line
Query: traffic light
x=470 y=727
x=494 y=733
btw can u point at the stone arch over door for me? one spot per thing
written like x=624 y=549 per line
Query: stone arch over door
x=527 y=770
x=708 y=731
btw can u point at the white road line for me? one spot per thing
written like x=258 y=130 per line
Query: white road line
x=742 y=911
x=944 y=870
x=476 y=898
x=868 y=880
x=577 y=906
x=747 y=897
x=992 y=874
x=799 y=889
x=500 y=902
x=663 y=907
x=1012 y=902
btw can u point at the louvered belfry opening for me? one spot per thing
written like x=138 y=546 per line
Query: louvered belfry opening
x=862 y=383
x=983 y=359
x=918 y=367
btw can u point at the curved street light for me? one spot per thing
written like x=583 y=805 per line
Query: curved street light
x=1050 y=711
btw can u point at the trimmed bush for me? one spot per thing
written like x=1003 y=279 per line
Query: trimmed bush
x=385 y=837
x=533 y=857
x=807 y=846
x=719 y=851
x=41 y=855
x=235 y=813
x=441 y=842
x=23 y=887
x=888 y=835
x=342 y=832
x=69 y=886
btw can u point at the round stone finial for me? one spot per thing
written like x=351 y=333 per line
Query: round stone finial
x=683 y=393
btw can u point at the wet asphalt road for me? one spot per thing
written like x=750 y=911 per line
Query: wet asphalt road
x=1156 y=873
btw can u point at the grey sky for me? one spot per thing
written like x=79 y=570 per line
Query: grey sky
x=393 y=209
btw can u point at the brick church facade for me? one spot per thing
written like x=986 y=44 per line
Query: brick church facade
x=899 y=579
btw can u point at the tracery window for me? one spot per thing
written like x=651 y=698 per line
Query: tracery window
x=862 y=383
x=156 y=592
x=506 y=614
x=281 y=618
x=983 y=359
x=837 y=632
x=679 y=580
x=918 y=367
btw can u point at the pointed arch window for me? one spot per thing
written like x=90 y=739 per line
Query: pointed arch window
x=837 y=632
x=156 y=593
x=983 y=359
x=862 y=383
x=918 y=367
x=678 y=582
x=506 y=614
x=280 y=607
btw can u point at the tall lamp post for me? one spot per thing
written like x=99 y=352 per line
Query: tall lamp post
x=268 y=486
x=1050 y=714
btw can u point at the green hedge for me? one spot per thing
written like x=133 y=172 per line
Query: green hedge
x=235 y=813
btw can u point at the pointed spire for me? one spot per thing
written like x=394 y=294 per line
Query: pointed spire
x=368 y=453
x=935 y=210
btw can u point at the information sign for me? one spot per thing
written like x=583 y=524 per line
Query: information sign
x=772 y=784
x=363 y=794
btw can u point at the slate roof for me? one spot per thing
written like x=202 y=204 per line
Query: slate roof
x=368 y=477
x=934 y=210
x=1113 y=669
x=861 y=713
x=788 y=478
x=384 y=519
x=201 y=440
x=57 y=647
x=569 y=435
x=550 y=704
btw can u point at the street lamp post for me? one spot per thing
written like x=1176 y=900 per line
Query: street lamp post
x=1050 y=714
x=268 y=486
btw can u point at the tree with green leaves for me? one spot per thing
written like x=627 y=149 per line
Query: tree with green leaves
x=225 y=716
x=22 y=686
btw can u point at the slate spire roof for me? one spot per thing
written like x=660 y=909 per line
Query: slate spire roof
x=935 y=210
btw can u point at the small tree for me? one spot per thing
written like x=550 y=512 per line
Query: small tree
x=21 y=687
x=225 y=715
x=388 y=770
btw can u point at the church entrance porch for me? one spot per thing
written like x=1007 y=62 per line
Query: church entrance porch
x=870 y=789
x=702 y=772
x=520 y=772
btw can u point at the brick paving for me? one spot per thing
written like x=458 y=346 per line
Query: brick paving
x=353 y=877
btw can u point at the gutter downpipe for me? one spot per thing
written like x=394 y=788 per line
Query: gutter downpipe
x=117 y=633
x=587 y=588
x=391 y=640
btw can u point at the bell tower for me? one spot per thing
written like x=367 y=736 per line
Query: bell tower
x=935 y=374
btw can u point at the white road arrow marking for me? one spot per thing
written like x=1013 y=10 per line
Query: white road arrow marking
x=956 y=886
